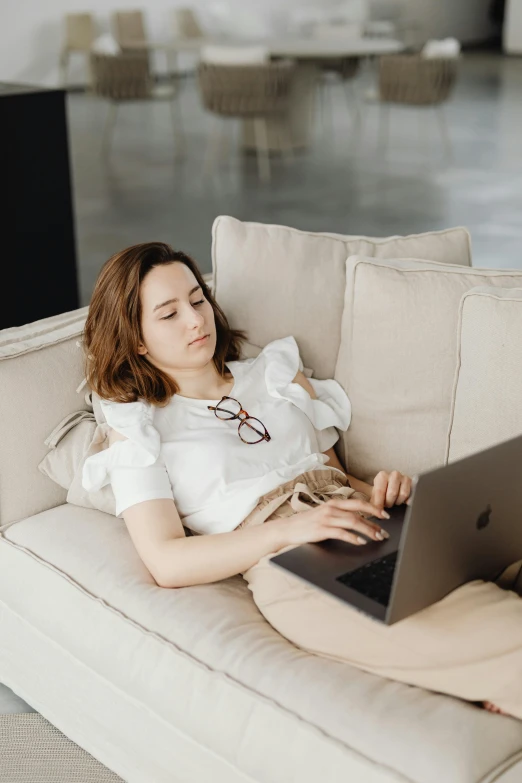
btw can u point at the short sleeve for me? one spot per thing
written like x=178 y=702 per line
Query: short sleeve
x=133 y=467
x=331 y=410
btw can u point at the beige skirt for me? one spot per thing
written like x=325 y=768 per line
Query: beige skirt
x=469 y=644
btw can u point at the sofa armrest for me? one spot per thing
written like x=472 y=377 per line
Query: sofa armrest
x=41 y=367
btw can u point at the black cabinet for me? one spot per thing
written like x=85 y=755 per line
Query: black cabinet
x=38 y=274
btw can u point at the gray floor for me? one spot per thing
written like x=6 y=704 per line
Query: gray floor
x=342 y=183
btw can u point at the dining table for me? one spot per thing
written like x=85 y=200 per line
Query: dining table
x=311 y=55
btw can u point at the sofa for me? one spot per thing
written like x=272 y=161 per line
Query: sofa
x=192 y=684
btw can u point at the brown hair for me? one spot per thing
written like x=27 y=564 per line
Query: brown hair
x=113 y=367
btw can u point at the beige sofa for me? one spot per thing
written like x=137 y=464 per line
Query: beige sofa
x=193 y=685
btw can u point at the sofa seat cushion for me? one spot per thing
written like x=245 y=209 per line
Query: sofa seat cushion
x=206 y=661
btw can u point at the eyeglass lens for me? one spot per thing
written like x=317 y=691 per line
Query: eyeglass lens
x=252 y=430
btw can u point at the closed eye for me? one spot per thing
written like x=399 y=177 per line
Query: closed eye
x=166 y=317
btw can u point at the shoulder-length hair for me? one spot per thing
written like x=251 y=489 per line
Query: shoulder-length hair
x=113 y=367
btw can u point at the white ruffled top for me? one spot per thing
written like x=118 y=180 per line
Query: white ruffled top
x=184 y=452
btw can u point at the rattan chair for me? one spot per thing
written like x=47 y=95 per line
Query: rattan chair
x=185 y=24
x=413 y=80
x=125 y=78
x=80 y=32
x=246 y=92
x=185 y=27
x=129 y=27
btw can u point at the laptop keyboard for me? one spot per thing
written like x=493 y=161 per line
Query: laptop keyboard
x=374 y=579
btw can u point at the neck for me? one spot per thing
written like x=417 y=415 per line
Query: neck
x=201 y=391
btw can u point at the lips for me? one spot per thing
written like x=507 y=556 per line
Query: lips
x=199 y=340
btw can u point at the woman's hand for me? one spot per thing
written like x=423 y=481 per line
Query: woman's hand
x=390 y=489
x=340 y=518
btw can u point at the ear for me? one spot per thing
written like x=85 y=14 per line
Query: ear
x=142 y=350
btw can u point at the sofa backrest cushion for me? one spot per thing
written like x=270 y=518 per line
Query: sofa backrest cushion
x=40 y=370
x=274 y=280
x=397 y=359
x=487 y=395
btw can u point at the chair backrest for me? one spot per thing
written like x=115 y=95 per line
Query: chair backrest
x=80 y=32
x=129 y=27
x=185 y=24
x=120 y=77
x=415 y=80
x=245 y=90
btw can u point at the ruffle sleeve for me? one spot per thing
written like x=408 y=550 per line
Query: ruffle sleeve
x=332 y=408
x=133 y=466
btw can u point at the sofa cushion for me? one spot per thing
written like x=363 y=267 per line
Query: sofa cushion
x=64 y=464
x=292 y=282
x=486 y=403
x=205 y=660
x=40 y=369
x=397 y=359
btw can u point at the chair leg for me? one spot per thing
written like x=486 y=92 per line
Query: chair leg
x=354 y=102
x=177 y=126
x=172 y=63
x=323 y=98
x=285 y=140
x=263 y=160
x=88 y=70
x=283 y=132
x=213 y=145
x=64 y=62
x=330 y=108
x=443 y=125
x=110 y=123
x=384 y=127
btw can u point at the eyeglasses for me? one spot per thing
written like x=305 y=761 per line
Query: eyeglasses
x=254 y=431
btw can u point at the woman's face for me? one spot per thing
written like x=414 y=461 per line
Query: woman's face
x=170 y=327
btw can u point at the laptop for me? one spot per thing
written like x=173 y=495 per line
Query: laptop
x=463 y=522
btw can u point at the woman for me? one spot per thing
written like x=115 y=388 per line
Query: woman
x=161 y=356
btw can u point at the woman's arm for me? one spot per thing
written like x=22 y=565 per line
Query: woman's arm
x=198 y=560
x=333 y=460
x=358 y=485
x=387 y=488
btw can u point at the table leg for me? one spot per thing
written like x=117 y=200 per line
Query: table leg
x=293 y=129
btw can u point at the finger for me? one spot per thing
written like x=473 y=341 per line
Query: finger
x=344 y=535
x=358 y=505
x=394 y=487
x=405 y=490
x=354 y=521
x=380 y=484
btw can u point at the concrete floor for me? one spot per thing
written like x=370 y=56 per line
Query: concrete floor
x=341 y=183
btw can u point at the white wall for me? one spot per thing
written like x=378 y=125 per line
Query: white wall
x=512 y=34
x=466 y=20
x=31 y=30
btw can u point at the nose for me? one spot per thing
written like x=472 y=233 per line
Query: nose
x=194 y=318
x=194 y=321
